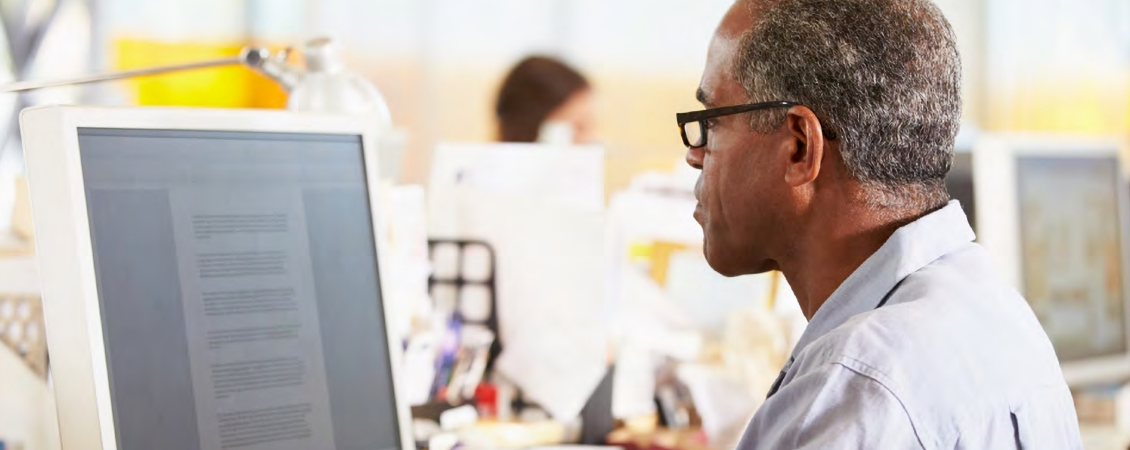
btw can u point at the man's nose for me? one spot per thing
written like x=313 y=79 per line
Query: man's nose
x=694 y=158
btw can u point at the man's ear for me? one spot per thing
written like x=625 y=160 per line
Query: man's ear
x=807 y=146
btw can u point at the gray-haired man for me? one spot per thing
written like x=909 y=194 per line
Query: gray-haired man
x=827 y=138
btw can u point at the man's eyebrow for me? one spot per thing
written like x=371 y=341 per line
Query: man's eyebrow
x=701 y=96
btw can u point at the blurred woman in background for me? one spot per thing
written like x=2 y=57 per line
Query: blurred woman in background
x=543 y=95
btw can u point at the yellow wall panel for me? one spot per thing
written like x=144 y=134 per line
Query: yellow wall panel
x=1074 y=106
x=225 y=87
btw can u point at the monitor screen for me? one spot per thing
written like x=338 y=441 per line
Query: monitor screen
x=240 y=300
x=1071 y=252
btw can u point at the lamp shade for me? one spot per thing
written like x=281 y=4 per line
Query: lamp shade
x=328 y=87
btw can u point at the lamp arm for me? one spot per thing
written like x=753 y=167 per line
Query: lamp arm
x=251 y=57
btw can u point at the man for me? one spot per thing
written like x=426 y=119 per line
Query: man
x=830 y=168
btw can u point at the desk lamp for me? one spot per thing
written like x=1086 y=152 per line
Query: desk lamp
x=325 y=85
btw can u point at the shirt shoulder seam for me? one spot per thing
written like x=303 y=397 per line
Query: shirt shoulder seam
x=881 y=379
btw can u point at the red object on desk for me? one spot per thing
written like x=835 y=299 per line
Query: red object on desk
x=486 y=397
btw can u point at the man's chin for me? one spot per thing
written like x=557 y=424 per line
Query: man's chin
x=722 y=265
x=733 y=267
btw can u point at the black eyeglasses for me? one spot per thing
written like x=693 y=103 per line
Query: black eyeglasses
x=693 y=127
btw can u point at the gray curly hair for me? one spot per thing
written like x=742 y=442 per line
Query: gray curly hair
x=883 y=75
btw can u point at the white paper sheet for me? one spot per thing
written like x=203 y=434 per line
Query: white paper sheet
x=722 y=399
x=251 y=317
x=541 y=209
x=407 y=266
x=551 y=271
x=570 y=175
x=707 y=298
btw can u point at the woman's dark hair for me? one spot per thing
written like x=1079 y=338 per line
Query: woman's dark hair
x=533 y=89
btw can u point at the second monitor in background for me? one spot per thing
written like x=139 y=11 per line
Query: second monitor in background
x=959 y=183
x=1054 y=219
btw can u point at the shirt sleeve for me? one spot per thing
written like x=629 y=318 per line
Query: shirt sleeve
x=831 y=408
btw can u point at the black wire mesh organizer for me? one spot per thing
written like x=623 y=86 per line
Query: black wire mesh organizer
x=460 y=280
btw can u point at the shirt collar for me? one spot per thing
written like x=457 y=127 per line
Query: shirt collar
x=909 y=249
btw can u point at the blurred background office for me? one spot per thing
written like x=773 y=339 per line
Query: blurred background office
x=450 y=71
x=1048 y=65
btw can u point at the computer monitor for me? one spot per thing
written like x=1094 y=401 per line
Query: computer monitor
x=959 y=183
x=1053 y=216
x=211 y=279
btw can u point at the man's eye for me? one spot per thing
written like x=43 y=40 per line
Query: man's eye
x=708 y=123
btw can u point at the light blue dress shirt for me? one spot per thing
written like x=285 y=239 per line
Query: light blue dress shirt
x=955 y=359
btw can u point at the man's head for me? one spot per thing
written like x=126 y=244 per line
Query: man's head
x=879 y=81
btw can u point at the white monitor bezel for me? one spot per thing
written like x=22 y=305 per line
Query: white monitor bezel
x=995 y=159
x=66 y=260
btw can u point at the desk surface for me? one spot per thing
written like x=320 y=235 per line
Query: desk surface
x=1104 y=437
